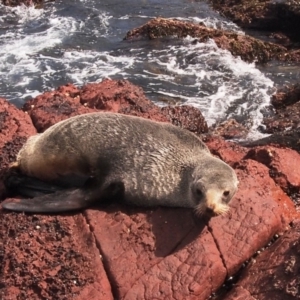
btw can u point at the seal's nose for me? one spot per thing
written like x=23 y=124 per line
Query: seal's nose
x=209 y=211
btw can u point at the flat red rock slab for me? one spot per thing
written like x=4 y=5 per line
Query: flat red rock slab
x=157 y=254
x=255 y=216
x=274 y=274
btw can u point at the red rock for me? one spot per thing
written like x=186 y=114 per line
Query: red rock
x=186 y=117
x=45 y=257
x=283 y=164
x=120 y=96
x=15 y=128
x=14 y=123
x=230 y=152
x=160 y=253
x=274 y=274
x=52 y=107
x=110 y=95
x=49 y=257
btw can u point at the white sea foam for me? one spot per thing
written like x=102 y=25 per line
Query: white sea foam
x=26 y=14
x=19 y=63
x=224 y=86
x=199 y=74
x=215 y=23
x=91 y=66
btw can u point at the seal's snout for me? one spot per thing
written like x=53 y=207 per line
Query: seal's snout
x=213 y=203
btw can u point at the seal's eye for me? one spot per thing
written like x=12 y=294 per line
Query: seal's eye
x=199 y=193
x=226 y=193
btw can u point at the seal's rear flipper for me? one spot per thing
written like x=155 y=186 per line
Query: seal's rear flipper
x=27 y=186
x=67 y=199
x=61 y=201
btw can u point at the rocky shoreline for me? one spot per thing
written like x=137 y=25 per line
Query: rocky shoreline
x=119 y=252
x=157 y=244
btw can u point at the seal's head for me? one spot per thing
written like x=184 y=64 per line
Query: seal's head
x=214 y=184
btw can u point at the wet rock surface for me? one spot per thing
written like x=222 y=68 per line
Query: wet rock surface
x=115 y=251
x=287 y=108
x=248 y=48
x=284 y=124
x=230 y=129
x=36 y=3
x=279 y=17
x=288 y=138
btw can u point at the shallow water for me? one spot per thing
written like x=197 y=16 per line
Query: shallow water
x=82 y=41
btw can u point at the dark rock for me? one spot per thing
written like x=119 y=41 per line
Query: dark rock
x=282 y=16
x=230 y=129
x=287 y=110
x=36 y=3
x=248 y=48
x=289 y=138
x=284 y=118
x=286 y=96
x=274 y=274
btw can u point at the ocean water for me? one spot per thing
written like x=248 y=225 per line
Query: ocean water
x=82 y=41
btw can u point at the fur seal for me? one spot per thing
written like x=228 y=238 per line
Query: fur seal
x=147 y=163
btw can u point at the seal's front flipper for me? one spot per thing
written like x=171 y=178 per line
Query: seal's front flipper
x=61 y=201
